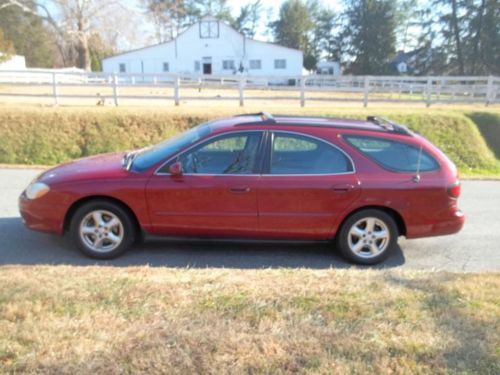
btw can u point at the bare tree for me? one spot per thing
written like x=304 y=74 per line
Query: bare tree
x=75 y=22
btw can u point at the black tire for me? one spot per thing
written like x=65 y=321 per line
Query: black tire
x=127 y=230
x=342 y=240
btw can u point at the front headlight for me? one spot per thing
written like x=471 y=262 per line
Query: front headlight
x=36 y=190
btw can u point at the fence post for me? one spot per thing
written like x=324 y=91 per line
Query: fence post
x=177 y=85
x=55 y=90
x=428 y=90
x=115 y=89
x=366 y=90
x=241 y=85
x=489 y=91
x=302 y=91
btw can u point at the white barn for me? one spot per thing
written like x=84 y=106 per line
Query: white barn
x=209 y=47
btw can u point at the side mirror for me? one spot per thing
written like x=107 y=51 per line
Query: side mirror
x=175 y=169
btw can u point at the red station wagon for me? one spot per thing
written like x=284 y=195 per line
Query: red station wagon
x=359 y=184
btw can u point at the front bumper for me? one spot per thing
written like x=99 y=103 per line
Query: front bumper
x=42 y=214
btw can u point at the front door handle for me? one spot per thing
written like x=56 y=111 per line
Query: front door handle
x=245 y=189
x=342 y=188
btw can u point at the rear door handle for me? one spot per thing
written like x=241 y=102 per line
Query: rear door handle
x=342 y=188
x=245 y=189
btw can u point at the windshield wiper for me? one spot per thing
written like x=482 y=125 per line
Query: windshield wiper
x=128 y=159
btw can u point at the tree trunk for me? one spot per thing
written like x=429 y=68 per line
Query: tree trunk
x=83 y=53
x=456 y=33
x=477 y=38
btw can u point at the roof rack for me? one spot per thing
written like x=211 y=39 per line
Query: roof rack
x=265 y=116
x=384 y=124
x=389 y=125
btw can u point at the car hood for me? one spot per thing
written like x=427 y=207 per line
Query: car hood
x=105 y=166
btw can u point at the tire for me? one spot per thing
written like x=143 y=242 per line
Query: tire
x=367 y=237
x=102 y=229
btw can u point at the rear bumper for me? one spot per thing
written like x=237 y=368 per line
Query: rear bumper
x=41 y=215
x=453 y=223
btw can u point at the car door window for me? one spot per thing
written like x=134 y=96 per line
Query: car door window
x=393 y=155
x=230 y=154
x=298 y=154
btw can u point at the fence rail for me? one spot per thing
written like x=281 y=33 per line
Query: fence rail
x=60 y=85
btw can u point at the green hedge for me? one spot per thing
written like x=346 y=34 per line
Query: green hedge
x=30 y=135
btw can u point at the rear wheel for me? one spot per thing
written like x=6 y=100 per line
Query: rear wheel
x=367 y=237
x=102 y=229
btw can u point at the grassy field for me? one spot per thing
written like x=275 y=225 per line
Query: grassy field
x=114 y=320
x=50 y=135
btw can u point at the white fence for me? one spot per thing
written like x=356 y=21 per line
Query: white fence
x=57 y=86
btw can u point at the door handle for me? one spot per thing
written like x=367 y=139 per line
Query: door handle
x=342 y=188
x=245 y=189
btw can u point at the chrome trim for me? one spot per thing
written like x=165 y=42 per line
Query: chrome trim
x=261 y=174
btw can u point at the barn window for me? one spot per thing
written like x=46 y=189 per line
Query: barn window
x=255 y=64
x=166 y=67
x=280 y=64
x=196 y=66
x=209 y=29
x=228 y=64
x=122 y=68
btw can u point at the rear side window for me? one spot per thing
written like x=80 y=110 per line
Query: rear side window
x=394 y=155
x=297 y=154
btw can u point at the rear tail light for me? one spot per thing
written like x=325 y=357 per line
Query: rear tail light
x=454 y=190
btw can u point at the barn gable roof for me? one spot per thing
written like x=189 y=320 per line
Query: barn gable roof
x=189 y=28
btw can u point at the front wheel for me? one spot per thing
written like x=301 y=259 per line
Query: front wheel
x=367 y=237
x=102 y=229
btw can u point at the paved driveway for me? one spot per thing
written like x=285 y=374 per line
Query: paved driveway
x=475 y=248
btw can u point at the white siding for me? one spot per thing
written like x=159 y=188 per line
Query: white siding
x=182 y=53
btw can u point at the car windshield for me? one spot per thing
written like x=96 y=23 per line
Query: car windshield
x=150 y=156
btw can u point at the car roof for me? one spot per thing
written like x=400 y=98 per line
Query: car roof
x=371 y=123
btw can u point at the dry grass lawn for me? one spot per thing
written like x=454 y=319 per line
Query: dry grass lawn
x=146 y=320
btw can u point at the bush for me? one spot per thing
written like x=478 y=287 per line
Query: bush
x=32 y=135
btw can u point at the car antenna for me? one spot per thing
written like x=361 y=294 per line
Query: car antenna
x=416 y=178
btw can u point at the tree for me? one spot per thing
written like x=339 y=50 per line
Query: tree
x=216 y=8
x=168 y=17
x=6 y=48
x=371 y=36
x=467 y=33
x=293 y=29
x=30 y=36
x=487 y=26
x=248 y=19
x=74 y=22
x=327 y=39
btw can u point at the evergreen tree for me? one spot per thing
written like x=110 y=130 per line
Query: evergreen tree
x=30 y=37
x=488 y=43
x=328 y=36
x=467 y=33
x=248 y=19
x=293 y=29
x=370 y=33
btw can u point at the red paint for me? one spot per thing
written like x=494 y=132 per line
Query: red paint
x=258 y=206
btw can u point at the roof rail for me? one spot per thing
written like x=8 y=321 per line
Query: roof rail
x=389 y=125
x=265 y=116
